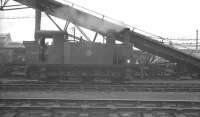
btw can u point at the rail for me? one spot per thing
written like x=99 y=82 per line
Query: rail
x=134 y=87
x=52 y=107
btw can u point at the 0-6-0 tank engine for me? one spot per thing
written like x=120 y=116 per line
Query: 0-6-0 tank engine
x=81 y=61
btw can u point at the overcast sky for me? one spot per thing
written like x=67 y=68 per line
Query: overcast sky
x=167 y=18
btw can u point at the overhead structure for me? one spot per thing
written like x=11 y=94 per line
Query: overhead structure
x=75 y=16
x=4 y=6
x=106 y=27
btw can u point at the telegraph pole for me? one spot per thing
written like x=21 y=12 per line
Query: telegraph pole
x=197 y=39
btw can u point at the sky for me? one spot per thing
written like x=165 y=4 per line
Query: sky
x=166 y=18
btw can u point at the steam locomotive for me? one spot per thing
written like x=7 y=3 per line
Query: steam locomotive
x=81 y=61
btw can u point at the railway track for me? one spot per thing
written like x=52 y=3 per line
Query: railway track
x=100 y=108
x=90 y=107
x=132 y=87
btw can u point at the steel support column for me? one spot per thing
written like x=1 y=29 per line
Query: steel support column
x=37 y=22
x=95 y=36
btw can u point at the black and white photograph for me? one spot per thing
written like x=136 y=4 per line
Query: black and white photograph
x=99 y=58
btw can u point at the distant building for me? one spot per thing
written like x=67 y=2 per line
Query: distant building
x=10 y=52
x=14 y=45
x=6 y=41
x=5 y=38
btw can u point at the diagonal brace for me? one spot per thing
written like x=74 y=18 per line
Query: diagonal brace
x=88 y=39
x=53 y=21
